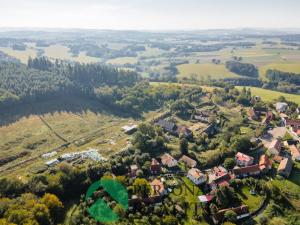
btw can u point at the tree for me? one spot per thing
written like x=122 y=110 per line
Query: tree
x=240 y=144
x=229 y=163
x=230 y=216
x=54 y=205
x=183 y=146
x=141 y=187
x=169 y=220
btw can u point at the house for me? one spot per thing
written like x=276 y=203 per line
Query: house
x=168 y=160
x=281 y=107
x=293 y=123
x=243 y=159
x=130 y=129
x=295 y=152
x=168 y=126
x=241 y=211
x=184 y=132
x=133 y=169
x=265 y=163
x=241 y=172
x=278 y=158
x=158 y=187
x=252 y=114
x=205 y=198
x=285 y=167
x=155 y=167
x=196 y=176
x=275 y=147
x=269 y=117
x=188 y=161
x=202 y=116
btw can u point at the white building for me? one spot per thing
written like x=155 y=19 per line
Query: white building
x=196 y=176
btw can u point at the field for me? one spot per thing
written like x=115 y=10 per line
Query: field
x=123 y=60
x=271 y=96
x=285 y=67
x=205 y=71
x=21 y=55
x=81 y=122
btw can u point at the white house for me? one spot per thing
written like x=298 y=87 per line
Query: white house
x=243 y=159
x=196 y=176
x=281 y=106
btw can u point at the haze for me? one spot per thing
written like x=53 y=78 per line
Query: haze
x=149 y=14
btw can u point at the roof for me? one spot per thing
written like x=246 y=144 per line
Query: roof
x=190 y=162
x=154 y=162
x=243 y=157
x=166 y=159
x=247 y=169
x=292 y=122
x=294 y=151
x=252 y=113
x=264 y=162
x=157 y=186
x=281 y=106
x=184 y=130
x=278 y=158
x=166 y=124
x=275 y=144
x=284 y=164
x=238 y=210
x=205 y=198
x=133 y=167
x=196 y=174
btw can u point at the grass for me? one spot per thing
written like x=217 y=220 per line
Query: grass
x=285 y=67
x=62 y=52
x=291 y=187
x=204 y=71
x=21 y=55
x=271 y=96
x=252 y=201
x=74 y=119
x=190 y=197
x=123 y=60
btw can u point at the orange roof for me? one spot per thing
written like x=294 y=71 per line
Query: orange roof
x=190 y=162
x=264 y=162
x=195 y=173
x=157 y=186
x=294 y=151
x=243 y=157
x=298 y=132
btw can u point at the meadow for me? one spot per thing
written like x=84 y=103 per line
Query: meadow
x=271 y=96
x=205 y=71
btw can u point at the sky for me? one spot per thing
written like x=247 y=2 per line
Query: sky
x=150 y=14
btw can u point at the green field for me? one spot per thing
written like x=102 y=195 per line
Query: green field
x=205 y=71
x=271 y=96
x=285 y=67
x=123 y=60
x=82 y=120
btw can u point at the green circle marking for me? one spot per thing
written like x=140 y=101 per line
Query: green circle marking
x=100 y=210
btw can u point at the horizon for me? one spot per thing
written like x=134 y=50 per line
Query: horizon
x=150 y=15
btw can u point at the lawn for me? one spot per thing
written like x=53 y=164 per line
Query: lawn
x=183 y=194
x=252 y=201
x=203 y=71
x=271 y=96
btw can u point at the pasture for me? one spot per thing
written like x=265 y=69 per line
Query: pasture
x=271 y=96
x=205 y=71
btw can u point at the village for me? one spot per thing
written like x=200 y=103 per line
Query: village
x=273 y=153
